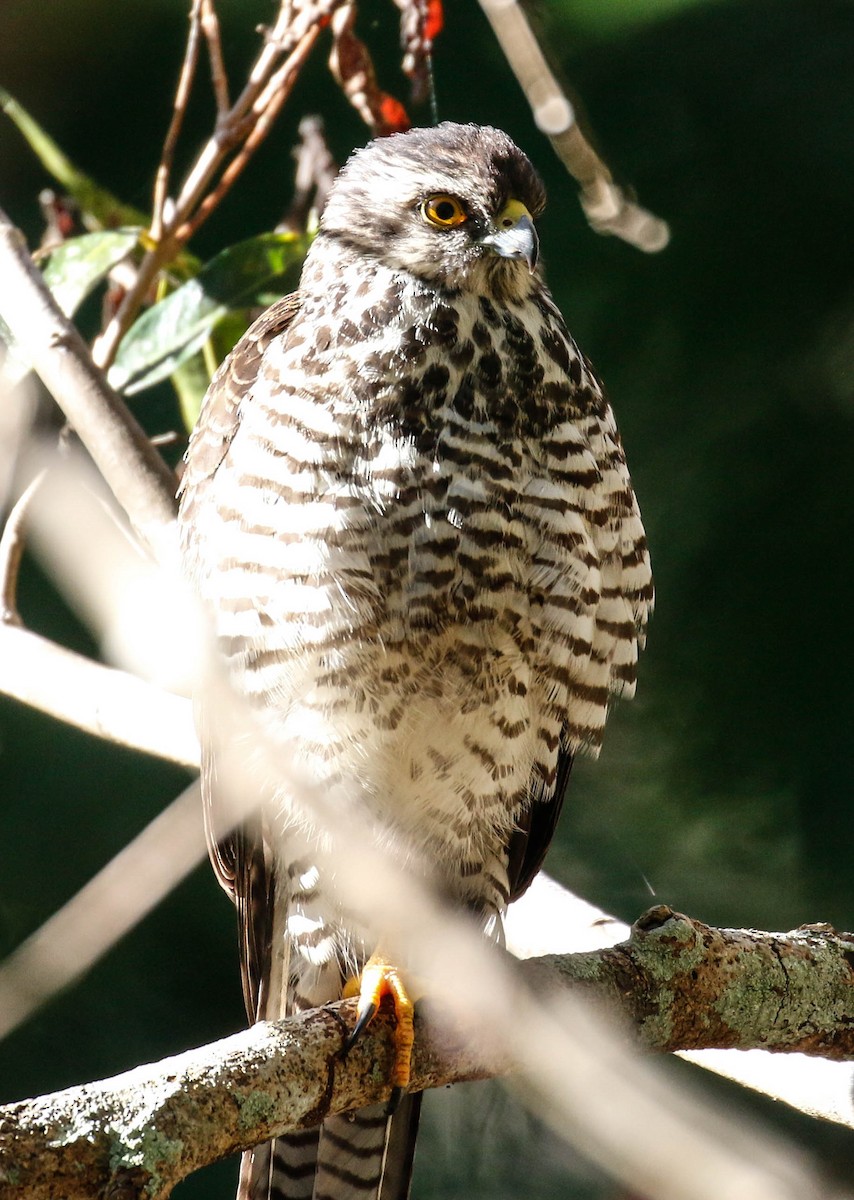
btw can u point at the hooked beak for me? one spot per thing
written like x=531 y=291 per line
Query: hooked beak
x=514 y=235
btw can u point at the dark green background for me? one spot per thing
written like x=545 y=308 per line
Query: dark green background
x=725 y=789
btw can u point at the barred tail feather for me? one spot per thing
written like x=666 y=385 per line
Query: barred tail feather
x=400 y=1149
x=365 y=1155
x=368 y=1155
x=284 y=1169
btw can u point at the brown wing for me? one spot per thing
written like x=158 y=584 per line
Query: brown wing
x=220 y=415
x=529 y=843
x=239 y=856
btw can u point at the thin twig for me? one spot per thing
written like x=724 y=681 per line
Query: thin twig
x=105 y=346
x=257 y=105
x=269 y=104
x=210 y=28
x=287 y=32
x=179 y=109
x=12 y=551
x=248 y=107
x=606 y=205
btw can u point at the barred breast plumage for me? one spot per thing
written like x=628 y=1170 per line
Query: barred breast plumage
x=407 y=508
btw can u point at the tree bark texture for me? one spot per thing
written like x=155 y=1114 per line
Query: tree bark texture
x=678 y=983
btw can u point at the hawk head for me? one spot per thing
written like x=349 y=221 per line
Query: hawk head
x=454 y=205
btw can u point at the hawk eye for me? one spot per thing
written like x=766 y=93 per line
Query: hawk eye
x=444 y=211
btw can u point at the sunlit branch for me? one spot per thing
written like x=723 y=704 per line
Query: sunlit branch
x=269 y=107
x=11 y=553
x=210 y=28
x=241 y=128
x=179 y=109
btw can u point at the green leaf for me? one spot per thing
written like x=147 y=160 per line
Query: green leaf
x=191 y=380
x=92 y=198
x=71 y=271
x=170 y=332
x=75 y=267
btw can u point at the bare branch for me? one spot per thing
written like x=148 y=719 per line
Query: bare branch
x=243 y=126
x=150 y=1128
x=179 y=109
x=106 y=344
x=210 y=28
x=269 y=106
x=135 y=472
x=606 y=206
x=140 y=613
x=284 y=35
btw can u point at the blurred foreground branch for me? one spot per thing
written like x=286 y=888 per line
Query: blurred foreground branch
x=114 y=900
x=678 y=983
x=110 y=704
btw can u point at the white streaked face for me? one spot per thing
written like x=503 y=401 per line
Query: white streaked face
x=435 y=212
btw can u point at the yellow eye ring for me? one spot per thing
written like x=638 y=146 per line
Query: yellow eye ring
x=443 y=211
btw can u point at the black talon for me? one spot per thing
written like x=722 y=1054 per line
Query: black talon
x=397 y=1094
x=359 y=1028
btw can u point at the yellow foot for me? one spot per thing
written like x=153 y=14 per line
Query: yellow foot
x=381 y=978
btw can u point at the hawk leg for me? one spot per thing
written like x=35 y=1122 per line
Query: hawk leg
x=380 y=978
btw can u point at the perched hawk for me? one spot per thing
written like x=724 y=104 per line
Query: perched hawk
x=407 y=510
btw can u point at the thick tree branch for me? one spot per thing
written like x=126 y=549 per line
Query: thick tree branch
x=686 y=986
x=680 y=984
x=142 y=1132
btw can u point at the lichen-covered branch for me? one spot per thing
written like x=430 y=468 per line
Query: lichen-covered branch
x=680 y=984
x=142 y=1132
x=686 y=986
